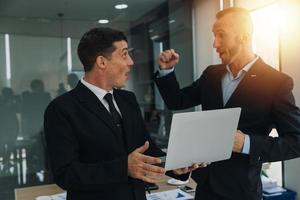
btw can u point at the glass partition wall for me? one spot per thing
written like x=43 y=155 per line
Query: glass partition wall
x=38 y=62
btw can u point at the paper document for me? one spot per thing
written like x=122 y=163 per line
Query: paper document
x=274 y=190
x=175 y=194
x=60 y=196
x=268 y=183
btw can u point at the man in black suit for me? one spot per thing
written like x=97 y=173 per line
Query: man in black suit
x=242 y=80
x=96 y=138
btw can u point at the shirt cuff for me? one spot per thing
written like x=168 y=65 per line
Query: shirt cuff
x=246 y=147
x=164 y=72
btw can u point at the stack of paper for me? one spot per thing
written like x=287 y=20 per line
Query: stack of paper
x=268 y=182
x=274 y=190
x=270 y=187
x=175 y=194
x=60 y=196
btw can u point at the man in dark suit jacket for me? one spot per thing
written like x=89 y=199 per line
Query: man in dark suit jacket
x=96 y=138
x=242 y=80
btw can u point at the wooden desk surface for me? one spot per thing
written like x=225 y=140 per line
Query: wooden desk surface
x=30 y=193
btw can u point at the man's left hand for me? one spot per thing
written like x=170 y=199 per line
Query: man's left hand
x=238 y=142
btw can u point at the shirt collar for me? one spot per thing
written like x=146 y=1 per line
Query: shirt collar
x=99 y=92
x=245 y=69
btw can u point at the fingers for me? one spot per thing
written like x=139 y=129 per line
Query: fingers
x=149 y=159
x=151 y=177
x=144 y=158
x=174 y=54
x=238 y=142
x=177 y=171
x=168 y=55
x=152 y=168
x=202 y=165
x=181 y=171
x=185 y=170
x=148 y=177
x=165 y=56
x=168 y=58
x=140 y=166
x=145 y=172
x=193 y=167
x=143 y=148
x=152 y=174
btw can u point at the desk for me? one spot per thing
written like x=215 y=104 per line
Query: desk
x=30 y=193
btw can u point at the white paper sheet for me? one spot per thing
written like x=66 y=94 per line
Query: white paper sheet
x=175 y=194
x=60 y=196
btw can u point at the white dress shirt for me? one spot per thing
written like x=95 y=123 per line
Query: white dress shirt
x=100 y=93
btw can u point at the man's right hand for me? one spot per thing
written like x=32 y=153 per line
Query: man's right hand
x=189 y=169
x=141 y=166
x=168 y=59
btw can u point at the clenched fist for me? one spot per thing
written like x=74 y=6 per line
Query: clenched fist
x=168 y=59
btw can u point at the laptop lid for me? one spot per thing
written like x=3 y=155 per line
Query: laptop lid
x=202 y=136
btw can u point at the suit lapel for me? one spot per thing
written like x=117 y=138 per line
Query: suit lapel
x=93 y=104
x=217 y=85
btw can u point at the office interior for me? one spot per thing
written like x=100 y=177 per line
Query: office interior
x=38 y=62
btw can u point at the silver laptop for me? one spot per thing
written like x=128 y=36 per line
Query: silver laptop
x=203 y=136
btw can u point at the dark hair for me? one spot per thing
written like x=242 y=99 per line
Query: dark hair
x=37 y=85
x=72 y=80
x=230 y=10
x=6 y=91
x=96 y=42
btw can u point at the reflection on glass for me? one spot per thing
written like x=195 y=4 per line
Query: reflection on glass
x=38 y=62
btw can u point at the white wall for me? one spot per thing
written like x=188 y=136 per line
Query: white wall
x=253 y=4
x=204 y=16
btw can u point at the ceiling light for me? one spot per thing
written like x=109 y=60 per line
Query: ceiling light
x=154 y=37
x=103 y=21
x=172 y=21
x=121 y=6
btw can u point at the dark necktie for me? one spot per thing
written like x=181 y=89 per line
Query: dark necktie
x=113 y=111
x=116 y=118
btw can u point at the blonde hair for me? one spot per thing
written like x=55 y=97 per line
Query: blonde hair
x=242 y=20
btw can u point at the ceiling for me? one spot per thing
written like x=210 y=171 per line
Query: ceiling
x=75 y=9
x=30 y=16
